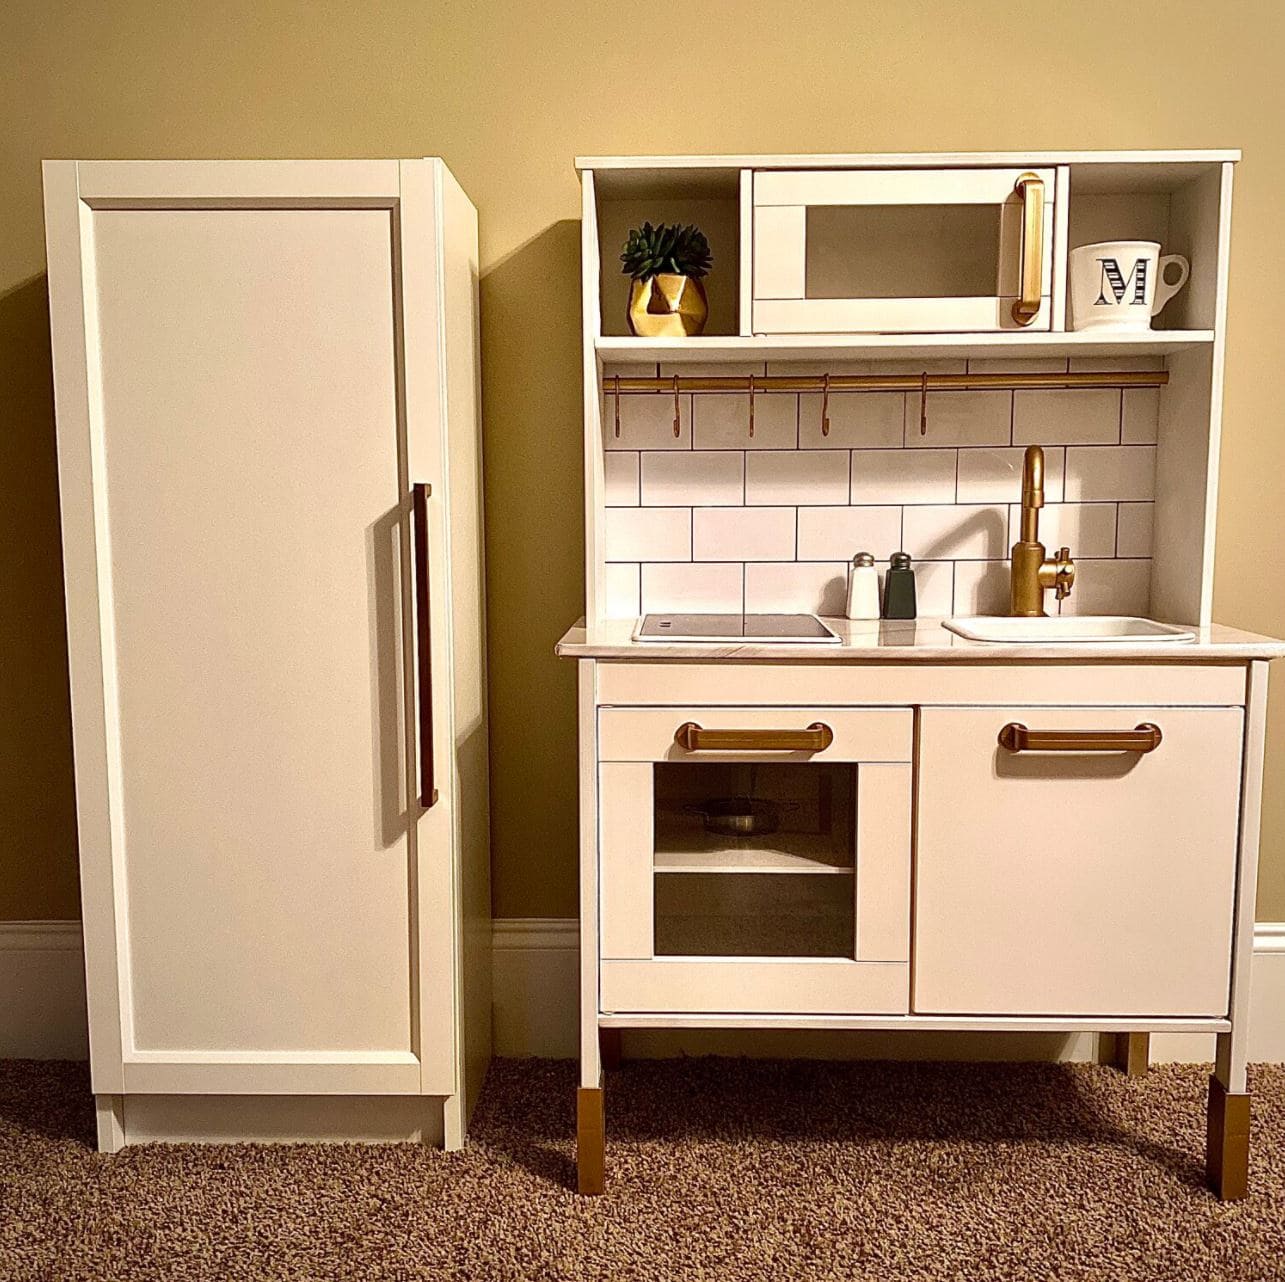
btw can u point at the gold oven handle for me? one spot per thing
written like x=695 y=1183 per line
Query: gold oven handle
x=1015 y=737
x=693 y=738
x=1030 y=187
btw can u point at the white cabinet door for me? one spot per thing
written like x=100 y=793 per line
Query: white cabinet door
x=902 y=250
x=809 y=916
x=238 y=432
x=1079 y=882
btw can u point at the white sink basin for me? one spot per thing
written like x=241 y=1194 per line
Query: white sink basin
x=1061 y=629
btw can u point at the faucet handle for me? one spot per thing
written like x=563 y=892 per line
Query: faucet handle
x=1064 y=573
x=1058 y=573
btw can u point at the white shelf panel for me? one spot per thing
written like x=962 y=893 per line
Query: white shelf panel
x=814 y=347
x=683 y=846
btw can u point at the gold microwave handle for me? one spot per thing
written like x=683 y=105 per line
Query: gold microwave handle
x=1015 y=737
x=694 y=738
x=1030 y=188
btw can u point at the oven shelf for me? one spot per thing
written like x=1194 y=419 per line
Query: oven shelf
x=683 y=846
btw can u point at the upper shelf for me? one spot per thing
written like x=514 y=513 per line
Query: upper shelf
x=811 y=347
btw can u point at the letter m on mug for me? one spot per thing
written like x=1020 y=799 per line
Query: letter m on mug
x=1114 y=279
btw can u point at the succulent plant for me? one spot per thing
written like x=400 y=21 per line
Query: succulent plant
x=649 y=251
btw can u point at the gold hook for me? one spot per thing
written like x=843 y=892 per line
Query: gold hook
x=751 y=406
x=678 y=428
x=617 y=406
x=923 y=405
x=825 y=405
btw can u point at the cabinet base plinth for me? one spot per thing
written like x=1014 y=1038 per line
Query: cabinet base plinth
x=591 y=1140
x=1129 y=1052
x=1227 y=1142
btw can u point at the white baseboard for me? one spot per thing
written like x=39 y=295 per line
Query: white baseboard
x=536 y=963
x=42 y=991
x=536 y=981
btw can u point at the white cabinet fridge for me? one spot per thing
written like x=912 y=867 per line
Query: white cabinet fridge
x=269 y=456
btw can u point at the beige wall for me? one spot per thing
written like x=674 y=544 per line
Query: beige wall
x=508 y=93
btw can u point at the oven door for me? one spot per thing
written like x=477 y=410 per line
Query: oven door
x=903 y=250
x=806 y=910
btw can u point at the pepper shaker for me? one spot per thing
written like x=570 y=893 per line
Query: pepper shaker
x=899 y=588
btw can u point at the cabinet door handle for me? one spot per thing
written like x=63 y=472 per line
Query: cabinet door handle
x=693 y=738
x=1015 y=737
x=423 y=643
x=1030 y=187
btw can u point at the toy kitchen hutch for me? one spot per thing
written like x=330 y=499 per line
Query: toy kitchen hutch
x=1052 y=829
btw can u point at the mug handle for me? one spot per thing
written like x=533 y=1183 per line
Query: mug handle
x=1165 y=291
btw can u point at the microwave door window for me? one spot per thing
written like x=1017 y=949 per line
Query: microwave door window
x=902 y=251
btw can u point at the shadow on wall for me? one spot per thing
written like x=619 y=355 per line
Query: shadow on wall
x=38 y=874
x=534 y=493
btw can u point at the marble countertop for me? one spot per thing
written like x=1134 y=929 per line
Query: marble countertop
x=912 y=641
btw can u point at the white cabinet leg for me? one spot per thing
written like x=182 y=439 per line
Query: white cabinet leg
x=453 y=1130
x=1227 y=1136
x=110 y=1110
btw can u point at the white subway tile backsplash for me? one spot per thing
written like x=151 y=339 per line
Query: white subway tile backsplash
x=647 y=422
x=722 y=421
x=1110 y=473
x=814 y=588
x=1140 y=421
x=981 y=587
x=1110 y=587
x=1133 y=537
x=648 y=533
x=857 y=420
x=934 y=588
x=949 y=365
x=621 y=478
x=743 y=533
x=960 y=418
x=1006 y=365
x=700 y=588
x=705 y=478
x=710 y=369
x=831 y=533
x=1055 y=416
x=771 y=523
x=620 y=583
x=994 y=476
x=797 y=477
x=955 y=531
x=1088 y=529
x=903 y=476
x=1097 y=364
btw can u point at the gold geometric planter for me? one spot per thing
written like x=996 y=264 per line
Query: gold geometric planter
x=667 y=306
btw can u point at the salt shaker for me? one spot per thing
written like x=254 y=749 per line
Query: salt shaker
x=863 y=588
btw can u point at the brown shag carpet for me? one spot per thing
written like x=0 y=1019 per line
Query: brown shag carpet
x=718 y=1169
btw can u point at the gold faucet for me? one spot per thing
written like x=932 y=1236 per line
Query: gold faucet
x=1032 y=572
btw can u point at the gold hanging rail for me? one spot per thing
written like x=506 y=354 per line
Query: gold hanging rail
x=675 y=384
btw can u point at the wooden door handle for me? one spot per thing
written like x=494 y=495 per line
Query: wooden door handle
x=694 y=738
x=423 y=643
x=1016 y=737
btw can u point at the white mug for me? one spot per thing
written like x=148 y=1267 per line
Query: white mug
x=1120 y=284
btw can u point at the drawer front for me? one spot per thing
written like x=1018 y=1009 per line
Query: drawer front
x=1057 y=882
x=896 y=250
x=856 y=734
